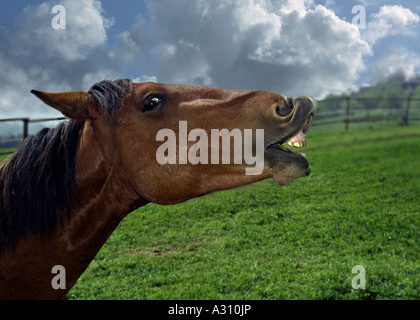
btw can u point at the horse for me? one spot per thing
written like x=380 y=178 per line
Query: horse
x=65 y=189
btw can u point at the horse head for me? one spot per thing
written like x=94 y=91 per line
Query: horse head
x=143 y=121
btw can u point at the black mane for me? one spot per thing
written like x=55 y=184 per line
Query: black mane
x=38 y=182
x=110 y=95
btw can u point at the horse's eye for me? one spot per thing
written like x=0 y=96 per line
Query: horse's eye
x=153 y=101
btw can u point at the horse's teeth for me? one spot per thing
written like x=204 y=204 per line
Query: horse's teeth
x=297 y=144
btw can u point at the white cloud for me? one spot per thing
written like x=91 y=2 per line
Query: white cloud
x=398 y=61
x=145 y=78
x=390 y=20
x=85 y=29
x=283 y=46
x=34 y=55
x=298 y=6
x=184 y=62
x=286 y=46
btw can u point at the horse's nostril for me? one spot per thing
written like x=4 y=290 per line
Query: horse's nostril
x=285 y=109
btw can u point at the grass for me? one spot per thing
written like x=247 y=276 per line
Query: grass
x=358 y=207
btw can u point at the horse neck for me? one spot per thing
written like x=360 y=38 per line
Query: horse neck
x=103 y=199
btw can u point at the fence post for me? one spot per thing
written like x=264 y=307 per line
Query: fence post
x=347 y=120
x=25 y=128
x=407 y=108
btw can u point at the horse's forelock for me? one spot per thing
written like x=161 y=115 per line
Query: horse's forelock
x=110 y=95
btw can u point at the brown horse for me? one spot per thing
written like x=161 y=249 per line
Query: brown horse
x=66 y=189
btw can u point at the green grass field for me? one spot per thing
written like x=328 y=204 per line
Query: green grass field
x=360 y=206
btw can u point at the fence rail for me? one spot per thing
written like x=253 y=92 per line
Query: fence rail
x=347 y=113
x=26 y=122
x=25 y=125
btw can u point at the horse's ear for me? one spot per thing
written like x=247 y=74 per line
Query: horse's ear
x=75 y=105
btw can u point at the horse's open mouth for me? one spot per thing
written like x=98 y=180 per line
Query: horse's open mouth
x=297 y=140
x=285 y=164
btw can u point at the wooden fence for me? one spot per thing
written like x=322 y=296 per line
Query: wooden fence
x=345 y=116
x=25 y=126
x=26 y=121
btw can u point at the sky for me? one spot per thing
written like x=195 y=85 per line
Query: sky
x=292 y=47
